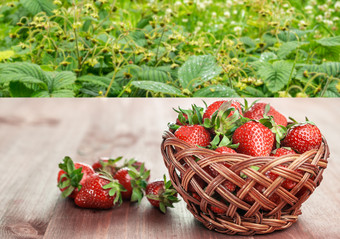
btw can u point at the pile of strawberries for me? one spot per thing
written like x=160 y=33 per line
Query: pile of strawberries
x=105 y=185
x=229 y=127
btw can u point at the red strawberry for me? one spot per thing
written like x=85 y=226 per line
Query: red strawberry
x=196 y=196
x=201 y=183
x=257 y=111
x=217 y=209
x=178 y=122
x=213 y=173
x=211 y=109
x=160 y=194
x=282 y=151
x=194 y=134
x=225 y=149
x=99 y=192
x=71 y=177
x=133 y=181
x=287 y=184
x=254 y=139
x=274 y=198
x=302 y=138
x=108 y=165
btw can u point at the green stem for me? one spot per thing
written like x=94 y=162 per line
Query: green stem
x=160 y=40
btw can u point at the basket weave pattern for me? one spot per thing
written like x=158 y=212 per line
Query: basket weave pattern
x=261 y=217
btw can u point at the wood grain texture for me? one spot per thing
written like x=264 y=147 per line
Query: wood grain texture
x=36 y=134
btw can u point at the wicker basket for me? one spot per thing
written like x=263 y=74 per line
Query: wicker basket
x=261 y=217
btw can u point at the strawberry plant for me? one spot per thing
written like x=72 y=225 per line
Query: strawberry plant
x=231 y=48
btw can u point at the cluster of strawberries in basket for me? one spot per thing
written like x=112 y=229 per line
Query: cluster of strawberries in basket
x=105 y=184
x=228 y=127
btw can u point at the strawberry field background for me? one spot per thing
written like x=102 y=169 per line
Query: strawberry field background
x=205 y=48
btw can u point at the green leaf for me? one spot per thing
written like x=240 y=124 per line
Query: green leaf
x=63 y=79
x=44 y=83
x=331 y=90
x=68 y=191
x=329 y=41
x=197 y=70
x=137 y=195
x=4 y=55
x=157 y=87
x=153 y=74
x=267 y=56
x=329 y=68
x=63 y=93
x=252 y=92
x=97 y=80
x=216 y=91
x=248 y=41
x=19 y=89
x=162 y=207
x=23 y=72
x=36 y=6
x=138 y=37
x=286 y=48
x=276 y=75
x=144 y=21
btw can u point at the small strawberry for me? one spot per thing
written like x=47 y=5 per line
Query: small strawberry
x=99 y=191
x=254 y=139
x=71 y=177
x=225 y=149
x=183 y=118
x=213 y=173
x=194 y=134
x=196 y=196
x=133 y=181
x=258 y=110
x=282 y=151
x=303 y=137
x=135 y=165
x=287 y=183
x=212 y=108
x=274 y=198
x=161 y=194
x=106 y=164
x=217 y=209
x=201 y=183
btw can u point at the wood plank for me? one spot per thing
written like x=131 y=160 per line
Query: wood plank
x=36 y=134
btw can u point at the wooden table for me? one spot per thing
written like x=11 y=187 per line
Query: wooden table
x=36 y=134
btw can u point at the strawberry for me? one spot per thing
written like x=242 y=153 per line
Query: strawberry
x=287 y=183
x=133 y=181
x=99 y=191
x=196 y=196
x=211 y=109
x=201 y=183
x=161 y=194
x=254 y=139
x=184 y=119
x=105 y=164
x=217 y=209
x=282 y=151
x=258 y=110
x=213 y=173
x=303 y=137
x=225 y=149
x=71 y=177
x=194 y=134
x=274 y=197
